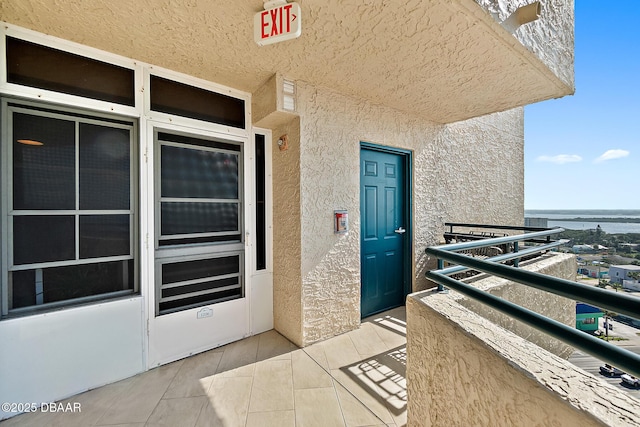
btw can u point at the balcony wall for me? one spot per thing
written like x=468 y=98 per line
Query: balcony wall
x=556 y=307
x=462 y=369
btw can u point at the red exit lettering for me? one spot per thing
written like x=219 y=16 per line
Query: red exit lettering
x=276 y=21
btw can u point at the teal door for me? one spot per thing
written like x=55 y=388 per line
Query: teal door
x=384 y=224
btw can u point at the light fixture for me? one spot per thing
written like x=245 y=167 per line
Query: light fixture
x=30 y=142
x=283 y=142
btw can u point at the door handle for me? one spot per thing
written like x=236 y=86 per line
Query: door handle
x=400 y=230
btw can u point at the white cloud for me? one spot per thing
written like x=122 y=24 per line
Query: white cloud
x=560 y=159
x=611 y=154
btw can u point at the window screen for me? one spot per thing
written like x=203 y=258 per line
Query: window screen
x=200 y=192
x=188 y=284
x=70 y=215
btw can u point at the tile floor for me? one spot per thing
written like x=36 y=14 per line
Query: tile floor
x=352 y=380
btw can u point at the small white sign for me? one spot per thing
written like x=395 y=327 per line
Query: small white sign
x=205 y=312
x=277 y=24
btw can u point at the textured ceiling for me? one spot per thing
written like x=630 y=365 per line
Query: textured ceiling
x=443 y=60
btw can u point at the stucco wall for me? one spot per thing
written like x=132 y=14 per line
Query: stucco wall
x=556 y=307
x=287 y=293
x=463 y=370
x=551 y=37
x=466 y=171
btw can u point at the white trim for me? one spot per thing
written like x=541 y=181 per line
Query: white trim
x=74 y=48
x=5 y=238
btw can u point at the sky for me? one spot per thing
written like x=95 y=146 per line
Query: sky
x=583 y=151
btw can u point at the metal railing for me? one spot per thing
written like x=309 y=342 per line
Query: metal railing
x=612 y=301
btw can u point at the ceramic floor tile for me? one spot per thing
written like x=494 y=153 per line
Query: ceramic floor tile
x=30 y=419
x=355 y=413
x=138 y=401
x=318 y=407
x=307 y=373
x=365 y=390
x=383 y=370
x=316 y=352
x=272 y=345
x=272 y=388
x=391 y=330
x=366 y=341
x=181 y=412
x=254 y=383
x=228 y=402
x=340 y=351
x=271 y=419
x=195 y=376
x=239 y=357
x=398 y=410
x=93 y=404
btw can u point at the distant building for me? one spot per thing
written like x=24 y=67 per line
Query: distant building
x=583 y=249
x=587 y=317
x=594 y=271
x=633 y=285
x=628 y=247
x=619 y=273
x=536 y=222
x=588 y=249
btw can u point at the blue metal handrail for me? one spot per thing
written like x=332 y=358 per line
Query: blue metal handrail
x=620 y=303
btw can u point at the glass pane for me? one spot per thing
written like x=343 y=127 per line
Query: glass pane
x=42 y=238
x=183 y=100
x=39 y=66
x=261 y=226
x=198 y=142
x=104 y=167
x=76 y=281
x=189 y=270
x=168 y=241
x=199 y=287
x=190 y=218
x=104 y=235
x=43 y=163
x=198 y=301
x=192 y=173
x=23 y=288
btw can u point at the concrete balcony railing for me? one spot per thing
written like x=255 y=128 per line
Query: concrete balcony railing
x=469 y=364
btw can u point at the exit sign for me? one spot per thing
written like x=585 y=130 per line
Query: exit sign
x=277 y=24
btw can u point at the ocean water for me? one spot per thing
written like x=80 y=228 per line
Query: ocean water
x=558 y=218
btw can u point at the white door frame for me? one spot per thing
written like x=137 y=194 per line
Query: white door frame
x=180 y=334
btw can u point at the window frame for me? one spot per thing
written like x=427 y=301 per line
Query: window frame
x=68 y=100
x=144 y=223
x=268 y=203
x=11 y=105
x=225 y=132
x=158 y=199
